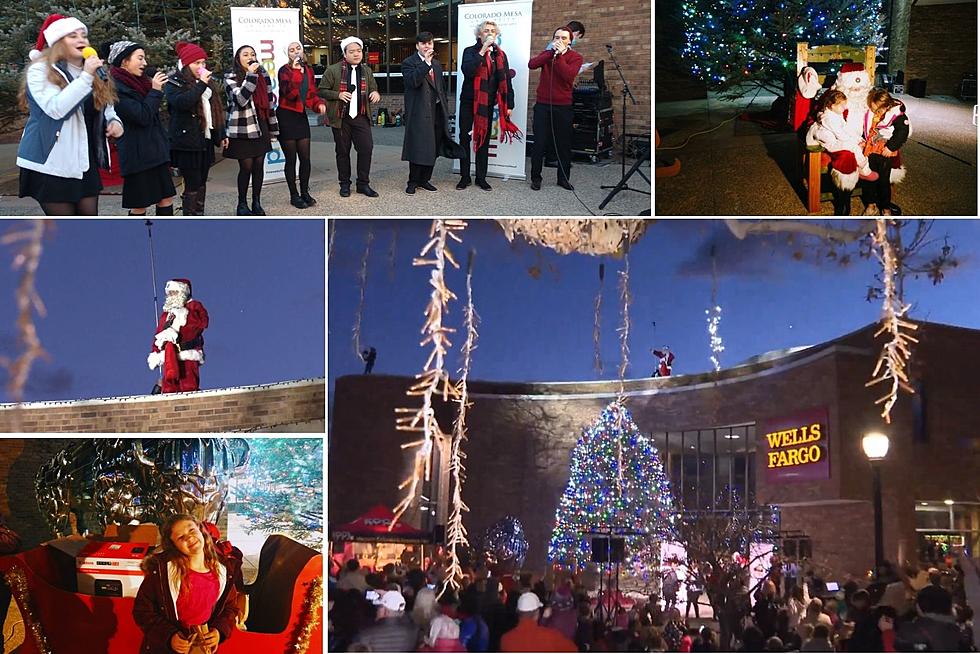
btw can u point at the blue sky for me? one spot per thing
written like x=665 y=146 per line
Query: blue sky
x=262 y=282
x=536 y=306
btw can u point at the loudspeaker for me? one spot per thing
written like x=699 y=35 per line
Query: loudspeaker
x=617 y=550
x=600 y=550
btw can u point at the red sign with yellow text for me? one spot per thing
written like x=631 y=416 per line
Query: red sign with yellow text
x=796 y=447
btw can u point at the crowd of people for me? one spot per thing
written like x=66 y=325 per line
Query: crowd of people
x=400 y=608
x=75 y=109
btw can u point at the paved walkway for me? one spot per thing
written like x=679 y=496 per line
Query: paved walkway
x=741 y=168
x=388 y=177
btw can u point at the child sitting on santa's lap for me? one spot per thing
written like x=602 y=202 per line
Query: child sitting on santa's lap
x=830 y=130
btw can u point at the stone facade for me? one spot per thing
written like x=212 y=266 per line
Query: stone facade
x=521 y=437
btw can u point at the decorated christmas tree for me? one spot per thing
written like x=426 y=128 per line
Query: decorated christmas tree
x=283 y=491
x=737 y=46
x=617 y=484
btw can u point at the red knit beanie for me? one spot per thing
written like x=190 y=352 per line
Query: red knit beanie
x=189 y=52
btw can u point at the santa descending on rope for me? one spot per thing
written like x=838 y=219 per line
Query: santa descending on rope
x=666 y=364
x=178 y=347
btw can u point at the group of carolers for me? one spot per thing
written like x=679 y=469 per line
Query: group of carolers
x=75 y=108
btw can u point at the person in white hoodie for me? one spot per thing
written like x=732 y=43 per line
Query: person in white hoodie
x=831 y=131
x=71 y=114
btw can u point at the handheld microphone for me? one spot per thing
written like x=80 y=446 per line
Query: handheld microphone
x=89 y=51
x=150 y=71
x=554 y=54
x=608 y=47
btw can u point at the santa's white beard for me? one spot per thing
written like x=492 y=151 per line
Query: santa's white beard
x=175 y=301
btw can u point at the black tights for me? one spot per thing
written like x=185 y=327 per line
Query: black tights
x=291 y=148
x=85 y=207
x=250 y=169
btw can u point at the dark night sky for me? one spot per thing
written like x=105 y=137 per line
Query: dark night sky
x=541 y=328
x=262 y=282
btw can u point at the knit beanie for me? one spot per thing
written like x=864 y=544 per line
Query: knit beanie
x=189 y=52
x=119 y=50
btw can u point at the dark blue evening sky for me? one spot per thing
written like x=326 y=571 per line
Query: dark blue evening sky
x=262 y=282
x=541 y=328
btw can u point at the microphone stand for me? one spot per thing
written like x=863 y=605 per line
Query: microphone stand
x=623 y=184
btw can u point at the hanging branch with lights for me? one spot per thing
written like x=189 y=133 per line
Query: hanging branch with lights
x=624 y=350
x=433 y=380
x=455 y=531
x=597 y=324
x=714 y=317
x=331 y=237
x=895 y=354
x=362 y=286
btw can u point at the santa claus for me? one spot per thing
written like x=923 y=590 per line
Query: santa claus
x=666 y=364
x=178 y=347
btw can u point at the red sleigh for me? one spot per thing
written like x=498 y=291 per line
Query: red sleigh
x=285 y=605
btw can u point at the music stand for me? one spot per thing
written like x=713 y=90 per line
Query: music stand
x=623 y=184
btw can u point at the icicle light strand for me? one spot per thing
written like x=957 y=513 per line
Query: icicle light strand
x=896 y=352
x=455 y=531
x=423 y=420
x=362 y=286
x=624 y=350
x=597 y=325
x=714 y=317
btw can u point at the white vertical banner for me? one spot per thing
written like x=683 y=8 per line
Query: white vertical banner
x=269 y=31
x=513 y=19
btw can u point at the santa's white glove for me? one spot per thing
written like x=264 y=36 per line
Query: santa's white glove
x=154 y=360
x=168 y=335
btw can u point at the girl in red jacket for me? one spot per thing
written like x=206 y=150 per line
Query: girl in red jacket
x=188 y=594
x=297 y=92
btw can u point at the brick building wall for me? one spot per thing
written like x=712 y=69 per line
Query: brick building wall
x=20 y=459
x=521 y=436
x=942 y=46
x=298 y=404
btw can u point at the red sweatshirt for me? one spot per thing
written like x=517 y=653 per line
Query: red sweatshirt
x=557 y=76
x=290 y=83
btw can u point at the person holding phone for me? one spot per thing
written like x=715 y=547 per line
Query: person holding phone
x=251 y=125
x=144 y=150
x=349 y=88
x=71 y=113
x=297 y=93
x=197 y=123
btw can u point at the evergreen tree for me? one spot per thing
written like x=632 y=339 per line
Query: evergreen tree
x=738 y=46
x=283 y=490
x=596 y=500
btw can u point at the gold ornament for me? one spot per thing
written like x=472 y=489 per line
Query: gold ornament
x=310 y=617
x=17 y=581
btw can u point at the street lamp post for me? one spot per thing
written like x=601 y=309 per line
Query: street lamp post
x=875 y=446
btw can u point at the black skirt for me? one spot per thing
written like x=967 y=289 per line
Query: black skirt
x=48 y=188
x=147 y=187
x=250 y=148
x=293 y=125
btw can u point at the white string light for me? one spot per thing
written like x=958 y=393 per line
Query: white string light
x=433 y=379
x=896 y=352
x=362 y=288
x=714 y=336
x=597 y=325
x=583 y=235
x=455 y=531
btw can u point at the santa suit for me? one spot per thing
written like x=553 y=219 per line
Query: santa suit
x=180 y=331
x=666 y=363
x=831 y=131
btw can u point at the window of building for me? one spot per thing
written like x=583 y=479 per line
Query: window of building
x=710 y=469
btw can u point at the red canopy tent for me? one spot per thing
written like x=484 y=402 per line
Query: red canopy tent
x=373 y=527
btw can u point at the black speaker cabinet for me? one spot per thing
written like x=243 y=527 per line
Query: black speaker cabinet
x=600 y=550
x=617 y=550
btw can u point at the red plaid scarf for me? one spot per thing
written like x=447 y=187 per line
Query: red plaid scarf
x=362 y=95
x=482 y=107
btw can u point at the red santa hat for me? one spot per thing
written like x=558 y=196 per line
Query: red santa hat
x=55 y=28
x=182 y=285
x=188 y=53
x=852 y=67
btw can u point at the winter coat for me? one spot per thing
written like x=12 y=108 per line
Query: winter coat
x=186 y=326
x=243 y=119
x=892 y=128
x=155 y=608
x=471 y=62
x=832 y=133
x=330 y=89
x=289 y=91
x=930 y=633
x=423 y=114
x=144 y=143
x=55 y=139
x=184 y=105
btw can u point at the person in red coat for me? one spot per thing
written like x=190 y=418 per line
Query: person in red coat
x=187 y=595
x=666 y=364
x=297 y=92
x=178 y=347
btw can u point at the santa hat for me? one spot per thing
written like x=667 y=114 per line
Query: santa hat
x=182 y=285
x=188 y=53
x=350 y=39
x=55 y=28
x=808 y=82
x=852 y=67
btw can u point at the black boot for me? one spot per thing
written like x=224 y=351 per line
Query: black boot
x=305 y=194
x=257 y=209
x=297 y=201
x=242 y=208
x=165 y=211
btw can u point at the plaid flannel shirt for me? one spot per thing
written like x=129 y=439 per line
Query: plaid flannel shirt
x=243 y=120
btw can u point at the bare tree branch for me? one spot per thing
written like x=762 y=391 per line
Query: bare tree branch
x=742 y=228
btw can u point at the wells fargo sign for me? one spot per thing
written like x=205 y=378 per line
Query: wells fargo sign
x=796 y=447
